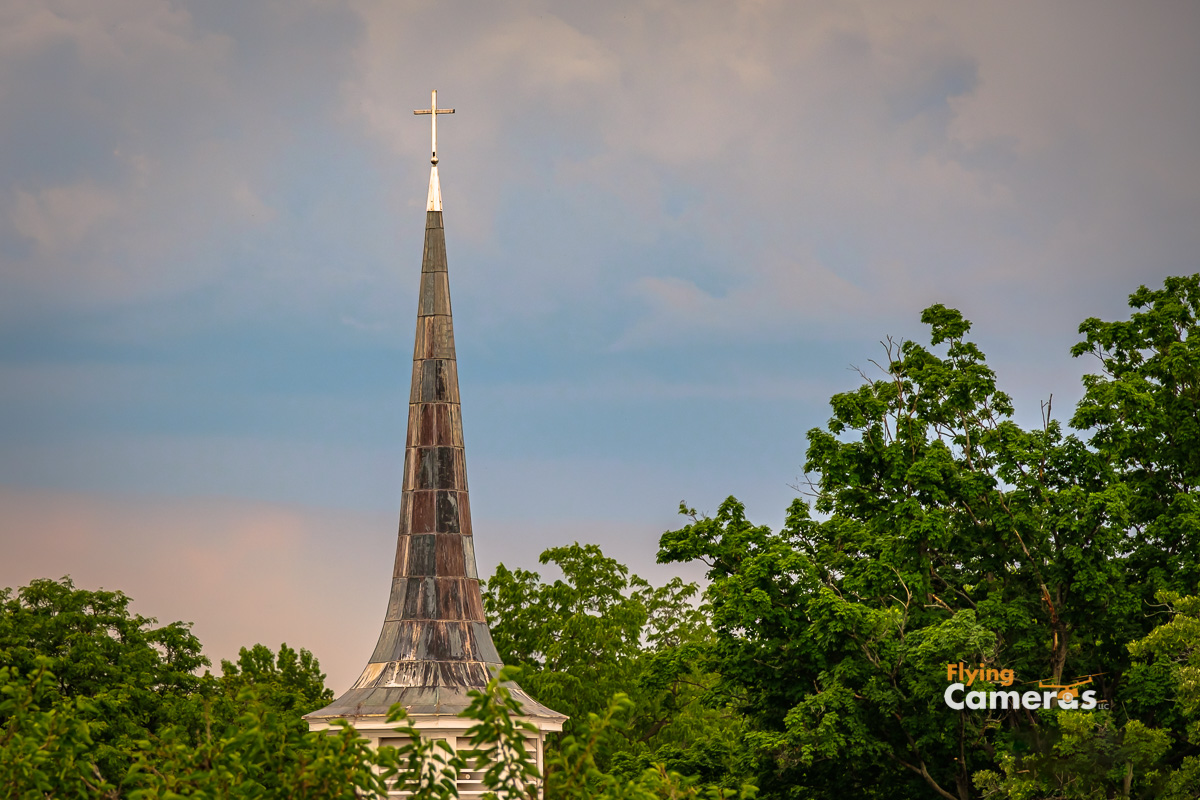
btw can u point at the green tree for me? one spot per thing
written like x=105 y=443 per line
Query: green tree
x=45 y=744
x=1085 y=756
x=575 y=641
x=427 y=770
x=262 y=754
x=1095 y=756
x=1174 y=648
x=97 y=700
x=136 y=676
x=240 y=735
x=290 y=681
x=599 y=631
x=947 y=532
x=1143 y=409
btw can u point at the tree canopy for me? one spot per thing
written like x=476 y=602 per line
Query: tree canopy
x=599 y=631
x=97 y=701
x=937 y=530
x=241 y=734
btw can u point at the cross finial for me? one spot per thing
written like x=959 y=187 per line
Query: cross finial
x=433 y=111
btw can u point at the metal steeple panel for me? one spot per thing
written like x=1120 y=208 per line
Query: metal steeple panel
x=435 y=645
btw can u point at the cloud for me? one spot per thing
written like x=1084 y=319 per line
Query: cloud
x=242 y=572
x=93 y=94
x=58 y=218
x=913 y=152
x=743 y=385
x=138 y=149
x=782 y=301
x=907 y=150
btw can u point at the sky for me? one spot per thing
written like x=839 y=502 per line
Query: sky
x=674 y=231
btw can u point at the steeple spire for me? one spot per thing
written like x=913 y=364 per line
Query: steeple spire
x=435 y=645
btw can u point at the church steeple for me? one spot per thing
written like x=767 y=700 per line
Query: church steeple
x=435 y=645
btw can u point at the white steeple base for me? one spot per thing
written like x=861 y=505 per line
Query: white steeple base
x=452 y=730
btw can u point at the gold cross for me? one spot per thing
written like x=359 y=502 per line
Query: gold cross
x=433 y=111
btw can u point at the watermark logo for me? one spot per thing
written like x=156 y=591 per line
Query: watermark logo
x=962 y=677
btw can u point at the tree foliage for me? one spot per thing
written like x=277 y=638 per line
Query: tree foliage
x=45 y=747
x=46 y=752
x=599 y=631
x=1143 y=410
x=135 y=676
x=241 y=734
x=96 y=700
x=947 y=532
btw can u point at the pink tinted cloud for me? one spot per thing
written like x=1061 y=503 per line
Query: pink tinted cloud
x=246 y=572
x=242 y=572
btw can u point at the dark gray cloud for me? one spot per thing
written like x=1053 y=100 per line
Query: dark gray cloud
x=817 y=158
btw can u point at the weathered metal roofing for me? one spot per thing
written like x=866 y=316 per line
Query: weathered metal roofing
x=435 y=645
